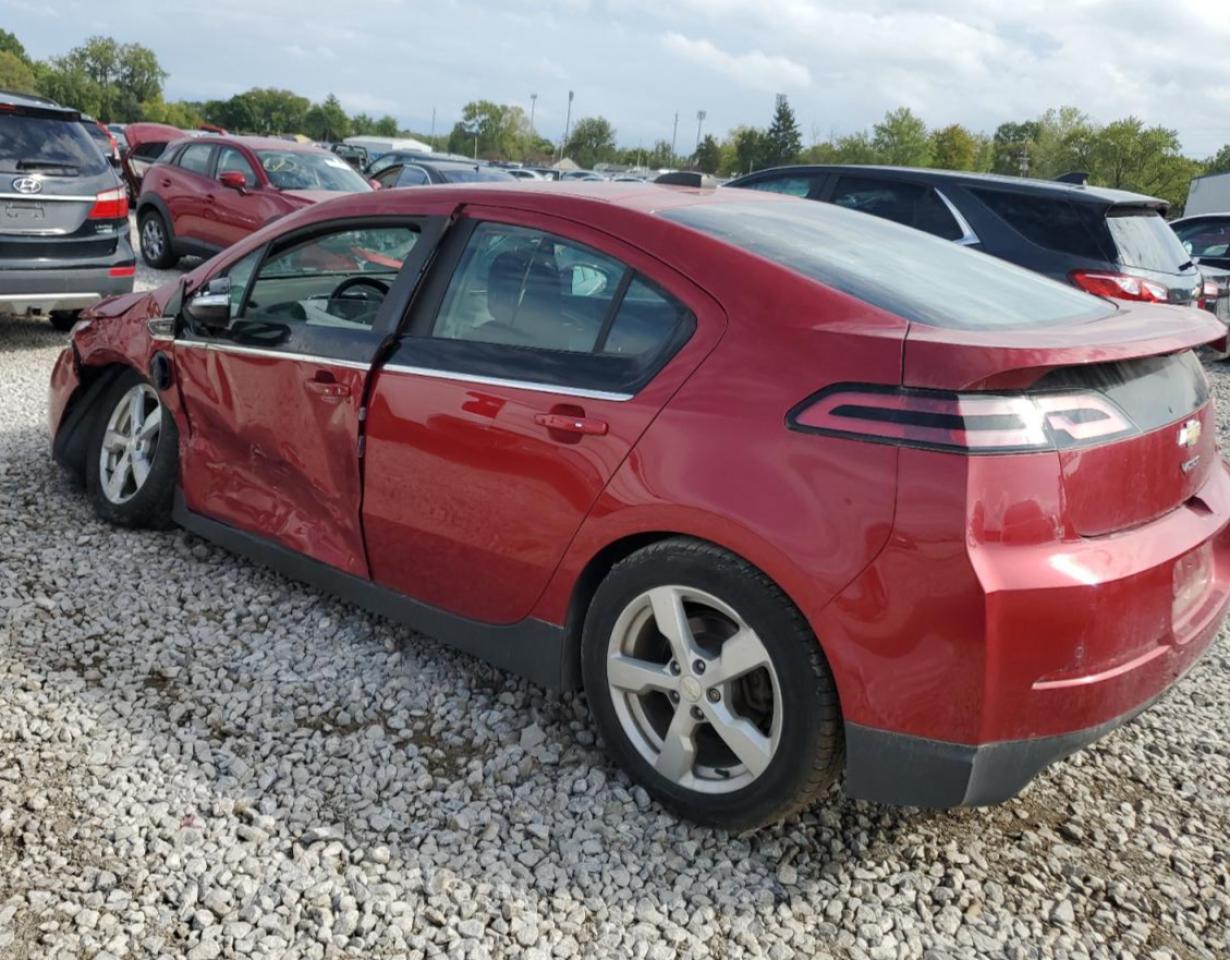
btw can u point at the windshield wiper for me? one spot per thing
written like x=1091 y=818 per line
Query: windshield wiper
x=45 y=165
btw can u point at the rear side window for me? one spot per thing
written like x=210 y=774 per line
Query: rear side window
x=196 y=158
x=410 y=176
x=905 y=272
x=1143 y=239
x=36 y=144
x=1051 y=223
x=912 y=204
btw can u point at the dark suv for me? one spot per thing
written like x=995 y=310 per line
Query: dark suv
x=1108 y=242
x=63 y=214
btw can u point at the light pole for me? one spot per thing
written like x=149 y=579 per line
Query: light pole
x=567 y=124
x=700 y=119
x=533 y=107
x=674 y=137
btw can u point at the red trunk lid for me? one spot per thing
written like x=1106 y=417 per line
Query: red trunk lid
x=1140 y=359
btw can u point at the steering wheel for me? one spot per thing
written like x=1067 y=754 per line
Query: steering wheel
x=354 y=283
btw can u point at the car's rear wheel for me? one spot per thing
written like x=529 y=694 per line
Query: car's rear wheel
x=709 y=687
x=63 y=320
x=156 y=241
x=132 y=460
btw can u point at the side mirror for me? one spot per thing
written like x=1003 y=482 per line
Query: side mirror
x=233 y=179
x=212 y=306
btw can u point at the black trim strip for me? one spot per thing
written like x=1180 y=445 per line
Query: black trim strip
x=532 y=648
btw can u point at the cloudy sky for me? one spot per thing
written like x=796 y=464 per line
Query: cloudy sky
x=637 y=62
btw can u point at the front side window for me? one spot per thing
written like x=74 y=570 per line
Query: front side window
x=523 y=304
x=231 y=160
x=911 y=204
x=409 y=176
x=337 y=279
x=307 y=170
x=196 y=158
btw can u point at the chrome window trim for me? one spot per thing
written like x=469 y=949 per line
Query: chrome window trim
x=552 y=388
x=968 y=236
x=46 y=196
x=235 y=348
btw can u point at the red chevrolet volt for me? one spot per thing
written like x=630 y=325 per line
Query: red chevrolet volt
x=789 y=490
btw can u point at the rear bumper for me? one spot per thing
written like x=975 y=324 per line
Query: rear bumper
x=51 y=288
x=995 y=659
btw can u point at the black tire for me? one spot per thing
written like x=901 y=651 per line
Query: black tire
x=63 y=320
x=811 y=748
x=150 y=505
x=165 y=257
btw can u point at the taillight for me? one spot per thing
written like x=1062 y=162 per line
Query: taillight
x=128 y=271
x=1119 y=286
x=110 y=205
x=966 y=422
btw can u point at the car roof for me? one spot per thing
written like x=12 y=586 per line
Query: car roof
x=35 y=102
x=254 y=143
x=1071 y=191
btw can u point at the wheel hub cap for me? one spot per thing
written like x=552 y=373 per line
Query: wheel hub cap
x=690 y=689
x=129 y=444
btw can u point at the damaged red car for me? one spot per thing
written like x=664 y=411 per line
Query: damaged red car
x=790 y=491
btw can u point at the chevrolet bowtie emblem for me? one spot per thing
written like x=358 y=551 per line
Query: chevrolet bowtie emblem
x=1189 y=433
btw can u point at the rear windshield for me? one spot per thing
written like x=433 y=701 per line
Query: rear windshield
x=904 y=271
x=40 y=145
x=1145 y=240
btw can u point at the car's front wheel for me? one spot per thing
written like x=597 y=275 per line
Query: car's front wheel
x=132 y=461
x=709 y=687
x=156 y=241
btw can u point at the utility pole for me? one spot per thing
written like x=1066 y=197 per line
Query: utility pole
x=533 y=107
x=1022 y=161
x=700 y=118
x=674 y=137
x=567 y=123
x=433 y=128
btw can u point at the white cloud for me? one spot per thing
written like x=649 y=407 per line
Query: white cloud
x=753 y=69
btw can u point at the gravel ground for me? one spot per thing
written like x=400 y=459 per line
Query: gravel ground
x=201 y=759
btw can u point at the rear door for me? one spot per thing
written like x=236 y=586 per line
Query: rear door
x=917 y=205
x=538 y=353
x=274 y=401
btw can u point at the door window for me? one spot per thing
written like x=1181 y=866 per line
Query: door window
x=528 y=305
x=412 y=176
x=1205 y=238
x=337 y=279
x=196 y=158
x=1054 y=224
x=912 y=204
x=231 y=160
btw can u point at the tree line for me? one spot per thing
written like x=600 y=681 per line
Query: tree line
x=123 y=82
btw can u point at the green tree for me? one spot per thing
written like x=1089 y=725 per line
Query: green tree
x=121 y=76
x=901 y=139
x=592 y=141
x=1063 y=143
x=10 y=44
x=498 y=131
x=361 y=124
x=1220 y=163
x=708 y=156
x=1130 y=156
x=15 y=73
x=327 y=121
x=783 y=140
x=954 y=148
x=386 y=126
x=71 y=88
x=751 y=149
x=259 y=110
x=1013 y=145
x=178 y=113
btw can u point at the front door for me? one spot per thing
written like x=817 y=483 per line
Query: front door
x=274 y=401
x=537 y=354
x=234 y=214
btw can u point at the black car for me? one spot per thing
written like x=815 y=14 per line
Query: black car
x=1109 y=242
x=353 y=155
x=63 y=214
x=416 y=170
x=1207 y=238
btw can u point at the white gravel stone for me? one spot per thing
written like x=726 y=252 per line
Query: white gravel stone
x=201 y=759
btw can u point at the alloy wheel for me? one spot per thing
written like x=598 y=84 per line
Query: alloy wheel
x=694 y=689
x=129 y=444
x=152 y=240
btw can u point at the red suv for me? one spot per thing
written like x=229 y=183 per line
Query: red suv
x=780 y=509
x=205 y=193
